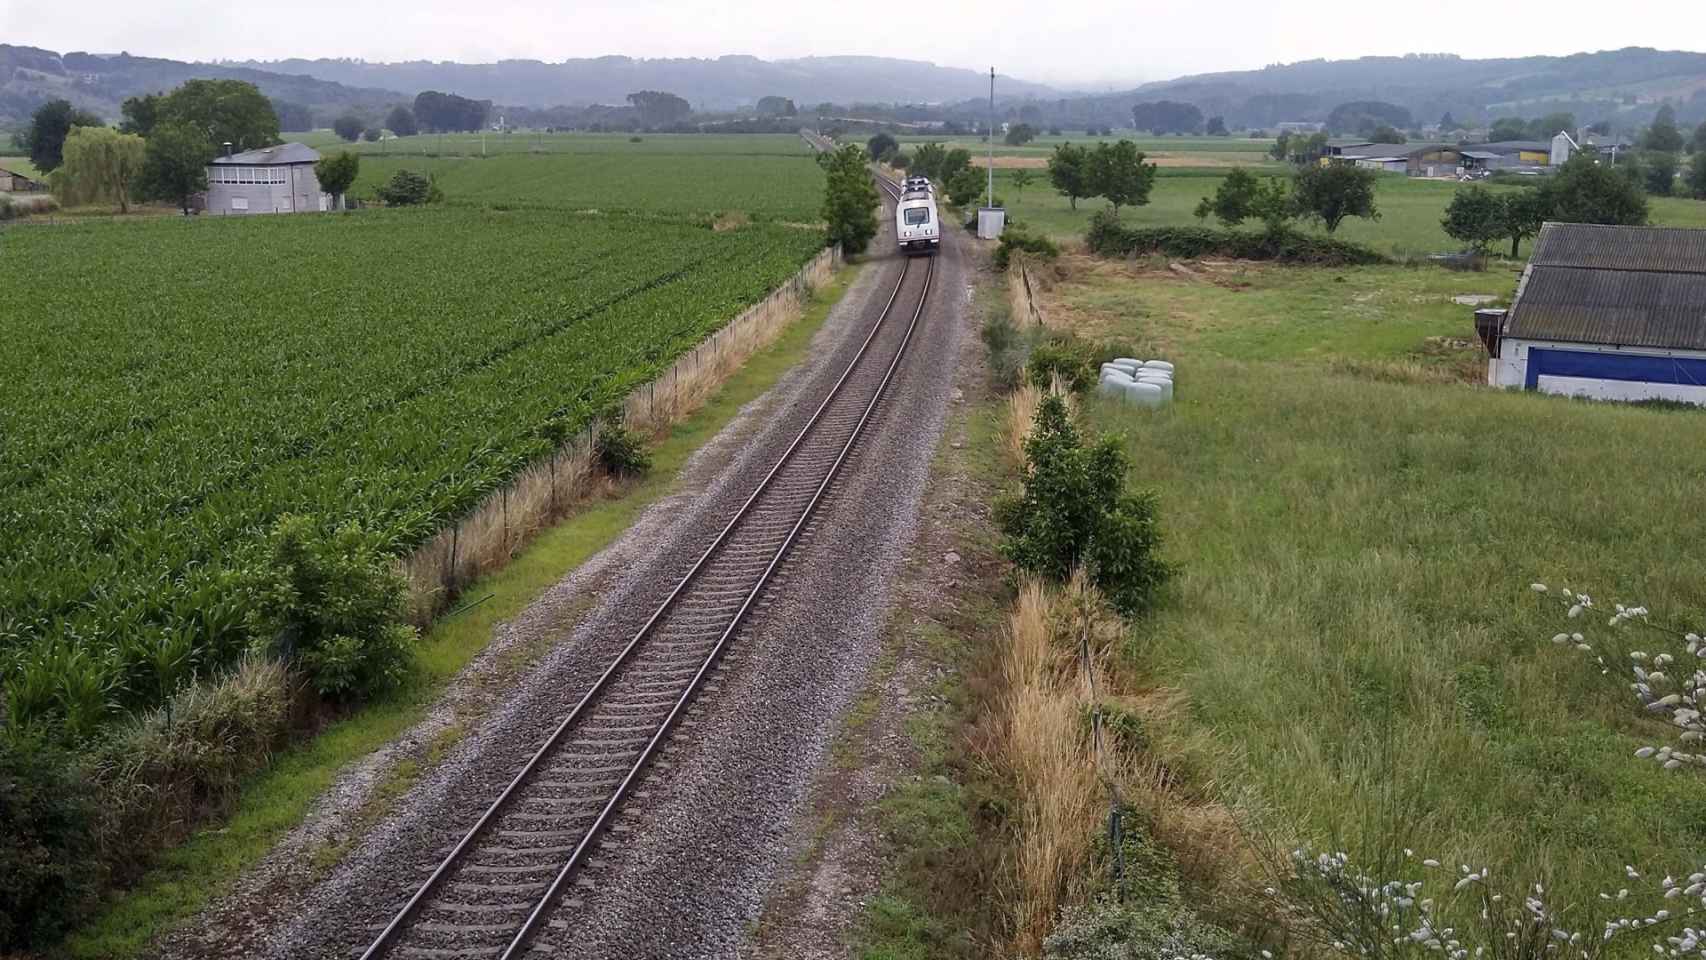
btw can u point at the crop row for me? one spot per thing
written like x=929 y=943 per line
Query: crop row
x=178 y=386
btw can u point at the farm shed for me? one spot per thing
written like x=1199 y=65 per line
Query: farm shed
x=18 y=183
x=277 y=179
x=1414 y=159
x=1612 y=313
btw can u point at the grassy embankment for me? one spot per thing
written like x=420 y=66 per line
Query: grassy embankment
x=1351 y=635
x=276 y=800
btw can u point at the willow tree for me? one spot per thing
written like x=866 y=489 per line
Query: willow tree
x=101 y=166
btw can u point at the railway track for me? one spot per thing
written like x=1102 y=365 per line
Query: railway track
x=498 y=884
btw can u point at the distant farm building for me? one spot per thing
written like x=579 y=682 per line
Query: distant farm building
x=18 y=183
x=277 y=179
x=1412 y=159
x=1611 y=313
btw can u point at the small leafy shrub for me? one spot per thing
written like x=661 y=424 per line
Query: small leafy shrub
x=48 y=869
x=1138 y=929
x=636 y=139
x=333 y=603
x=621 y=451
x=1072 y=360
x=1108 y=237
x=1064 y=357
x=407 y=188
x=1073 y=511
x=1018 y=238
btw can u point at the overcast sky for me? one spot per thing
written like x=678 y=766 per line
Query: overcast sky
x=1081 y=43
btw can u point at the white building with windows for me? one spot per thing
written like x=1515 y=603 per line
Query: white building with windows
x=269 y=180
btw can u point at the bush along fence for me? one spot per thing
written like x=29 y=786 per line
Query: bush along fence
x=1107 y=237
x=551 y=488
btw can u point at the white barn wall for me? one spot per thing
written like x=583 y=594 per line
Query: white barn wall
x=1510 y=369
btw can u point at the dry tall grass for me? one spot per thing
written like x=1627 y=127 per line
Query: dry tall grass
x=556 y=485
x=1044 y=747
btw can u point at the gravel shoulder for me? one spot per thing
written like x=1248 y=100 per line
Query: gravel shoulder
x=688 y=865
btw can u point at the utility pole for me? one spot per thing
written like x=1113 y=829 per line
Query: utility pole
x=989 y=195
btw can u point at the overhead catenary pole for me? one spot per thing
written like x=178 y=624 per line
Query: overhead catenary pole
x=989 y=192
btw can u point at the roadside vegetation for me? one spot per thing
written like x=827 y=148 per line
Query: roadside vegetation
x=1346 y=682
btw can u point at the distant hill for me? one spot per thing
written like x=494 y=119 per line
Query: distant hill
x=1625 y=86
x=715 y=84
x=30 y=76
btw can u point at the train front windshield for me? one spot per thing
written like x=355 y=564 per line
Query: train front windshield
x=917 y=215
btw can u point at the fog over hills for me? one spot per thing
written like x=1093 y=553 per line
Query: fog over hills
x=1626 y=85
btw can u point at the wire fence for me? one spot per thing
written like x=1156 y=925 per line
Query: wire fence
x=545 y=491
x=1023 y=292
x=1100 y=756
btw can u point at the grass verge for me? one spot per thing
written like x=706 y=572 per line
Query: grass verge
x=276 y=801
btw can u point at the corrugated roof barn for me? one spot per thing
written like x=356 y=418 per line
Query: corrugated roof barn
x=1605 y=311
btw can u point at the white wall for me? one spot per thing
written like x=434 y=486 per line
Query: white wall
x=1510 y=369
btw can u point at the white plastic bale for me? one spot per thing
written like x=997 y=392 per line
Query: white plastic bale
x=1158 y=365
x=1165 y=383
x=1144 y=395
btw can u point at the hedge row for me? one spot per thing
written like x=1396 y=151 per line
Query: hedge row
x=1110 y=238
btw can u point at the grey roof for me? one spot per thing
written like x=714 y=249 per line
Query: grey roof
x=1628 y=286
x=1396 y=151
x=1481 y=154
x=272 y=156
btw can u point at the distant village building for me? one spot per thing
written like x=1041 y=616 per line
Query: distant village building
x=277 y=179
x=1412 y=159
x=18 y=183
x=1612 y=313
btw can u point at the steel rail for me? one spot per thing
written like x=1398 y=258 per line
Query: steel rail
x=398 y=922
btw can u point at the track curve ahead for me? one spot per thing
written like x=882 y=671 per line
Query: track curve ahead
x=497 y=885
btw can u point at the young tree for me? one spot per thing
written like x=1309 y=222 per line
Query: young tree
x=401 y=121
x=1216 y=127
x=101 y=165
x=1281 y=149
x=372 y=134
x=406 y=188
x=1117 y=172
x=1243 y=196
x=1475 y=216
x=1522 y=212
x=225 y=111
x=1583 y=191
x=1020 y=134
x=348 y=126
x=1662 y=136
x=1447 y=122
x=44 y=138
x=1332 y=193
x=1661 y=173
x=1069 y=172
x=965 y=186
x=336 y=172
x=953 y=162
x=174 y=164
x=1020 y=180
x=927 y=160
x=849 y=199
x=1697 y=176
x=881 y=146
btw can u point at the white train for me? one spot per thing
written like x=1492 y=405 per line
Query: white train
x=917 y=226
